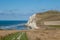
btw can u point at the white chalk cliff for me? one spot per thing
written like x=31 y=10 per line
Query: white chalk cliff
x=41 y=20
x=32 y=22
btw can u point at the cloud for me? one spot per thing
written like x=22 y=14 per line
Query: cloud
x=15 y=14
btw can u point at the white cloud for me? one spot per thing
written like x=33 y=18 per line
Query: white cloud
x=14 y=15
x=1 y=11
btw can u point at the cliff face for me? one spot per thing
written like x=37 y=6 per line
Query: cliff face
x=32 y=22
x=37 y=20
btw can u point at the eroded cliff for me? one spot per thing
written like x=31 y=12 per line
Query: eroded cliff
x=37 y=20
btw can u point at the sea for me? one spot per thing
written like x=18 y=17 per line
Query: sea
x=13 y=25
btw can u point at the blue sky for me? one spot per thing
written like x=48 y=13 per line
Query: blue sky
x=22 y=9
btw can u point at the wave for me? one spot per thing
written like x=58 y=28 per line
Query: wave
x=11 y=26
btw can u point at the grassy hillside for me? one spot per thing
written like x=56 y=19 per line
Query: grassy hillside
x=44 y=35
x=47 y=16
x=13 y=35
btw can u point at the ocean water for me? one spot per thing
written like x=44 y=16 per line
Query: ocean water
x=10 y=25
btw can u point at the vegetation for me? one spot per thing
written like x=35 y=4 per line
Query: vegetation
x=24 y=37
x=14 y=36
x=54 y=26
x=10 y=36
x=47 y=16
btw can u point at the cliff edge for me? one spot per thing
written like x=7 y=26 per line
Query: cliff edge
x=36 y=21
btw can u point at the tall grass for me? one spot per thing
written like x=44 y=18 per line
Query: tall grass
x=9 y=37
x=24 y=37
x=14 y=36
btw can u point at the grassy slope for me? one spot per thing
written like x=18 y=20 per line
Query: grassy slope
x=24 y=37
x=10 y=36
x=14 y=35
x=44 y=35
x=47 y=16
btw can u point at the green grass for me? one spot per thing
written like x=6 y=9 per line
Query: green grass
x=54 y=26
x=24 y=37
x=10 y=37
x=14 y=36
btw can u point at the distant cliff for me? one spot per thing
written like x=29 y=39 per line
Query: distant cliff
x=32 y=22
x=37 y=20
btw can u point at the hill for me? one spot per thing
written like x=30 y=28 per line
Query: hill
x=37 y=20
x=47 y=16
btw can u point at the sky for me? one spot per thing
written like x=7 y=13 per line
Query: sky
x=23 y=9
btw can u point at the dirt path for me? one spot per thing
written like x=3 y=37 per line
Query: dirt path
x=15 y=37
x=19 y=37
